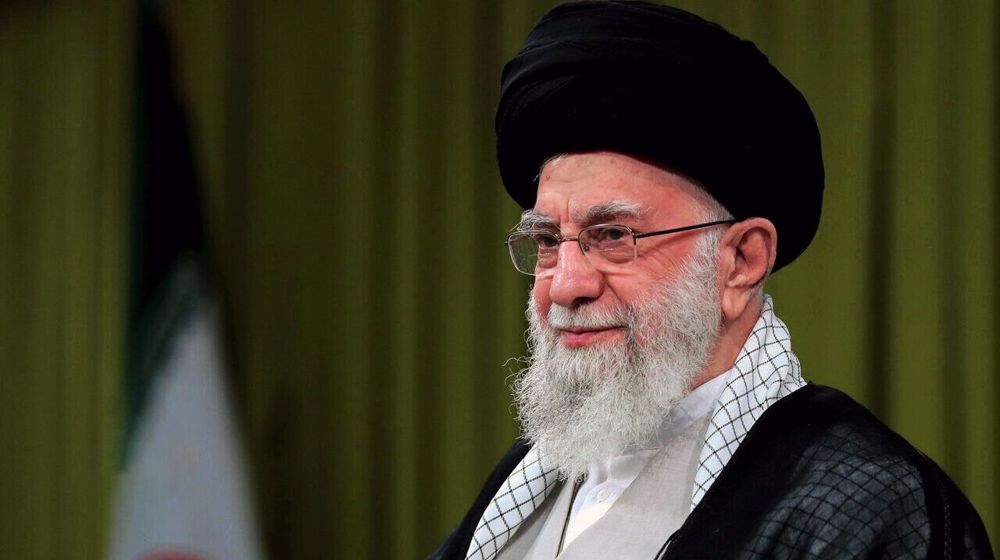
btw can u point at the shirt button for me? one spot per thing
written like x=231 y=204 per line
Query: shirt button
x=603 y=495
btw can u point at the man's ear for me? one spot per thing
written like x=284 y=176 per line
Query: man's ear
x=747 y=252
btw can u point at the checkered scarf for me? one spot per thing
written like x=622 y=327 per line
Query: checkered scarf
x=765 y=371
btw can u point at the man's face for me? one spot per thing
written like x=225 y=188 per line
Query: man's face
x=572 y=192
x=614 y=347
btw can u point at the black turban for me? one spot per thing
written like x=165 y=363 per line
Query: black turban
x=666 y=86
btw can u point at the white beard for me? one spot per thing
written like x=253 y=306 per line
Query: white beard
x=581 y=405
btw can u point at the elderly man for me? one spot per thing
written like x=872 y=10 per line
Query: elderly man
x=667 y=169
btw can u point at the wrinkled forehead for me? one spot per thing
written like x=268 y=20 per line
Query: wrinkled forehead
x=599 y=187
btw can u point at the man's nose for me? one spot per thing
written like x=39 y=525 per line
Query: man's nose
x=575 y=280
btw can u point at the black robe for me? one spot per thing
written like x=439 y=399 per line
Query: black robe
x=817 y=476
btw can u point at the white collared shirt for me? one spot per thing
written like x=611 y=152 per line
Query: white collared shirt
x=607 y=479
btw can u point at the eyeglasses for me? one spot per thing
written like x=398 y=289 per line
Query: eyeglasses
x=533 y=252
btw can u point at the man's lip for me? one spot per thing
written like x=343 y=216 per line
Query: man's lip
x=580 y=337
x=579 y=330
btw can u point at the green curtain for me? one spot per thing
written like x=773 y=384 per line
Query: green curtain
x=64 y=169
x=356 y=217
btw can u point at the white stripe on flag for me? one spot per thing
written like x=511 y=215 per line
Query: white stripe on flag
x=183 y=490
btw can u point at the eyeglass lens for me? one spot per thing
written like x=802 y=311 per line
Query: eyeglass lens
x=534 y=251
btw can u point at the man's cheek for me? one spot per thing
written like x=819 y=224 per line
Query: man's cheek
x=540 y=302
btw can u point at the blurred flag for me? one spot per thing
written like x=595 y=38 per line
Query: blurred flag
x=182 y=492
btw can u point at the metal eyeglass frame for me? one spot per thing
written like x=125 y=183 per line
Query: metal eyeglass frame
x=635 y=236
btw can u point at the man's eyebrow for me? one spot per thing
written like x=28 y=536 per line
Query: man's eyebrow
x=531 y=220
x=608 y=212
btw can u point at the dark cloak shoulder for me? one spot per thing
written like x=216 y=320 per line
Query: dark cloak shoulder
x=818 y=476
